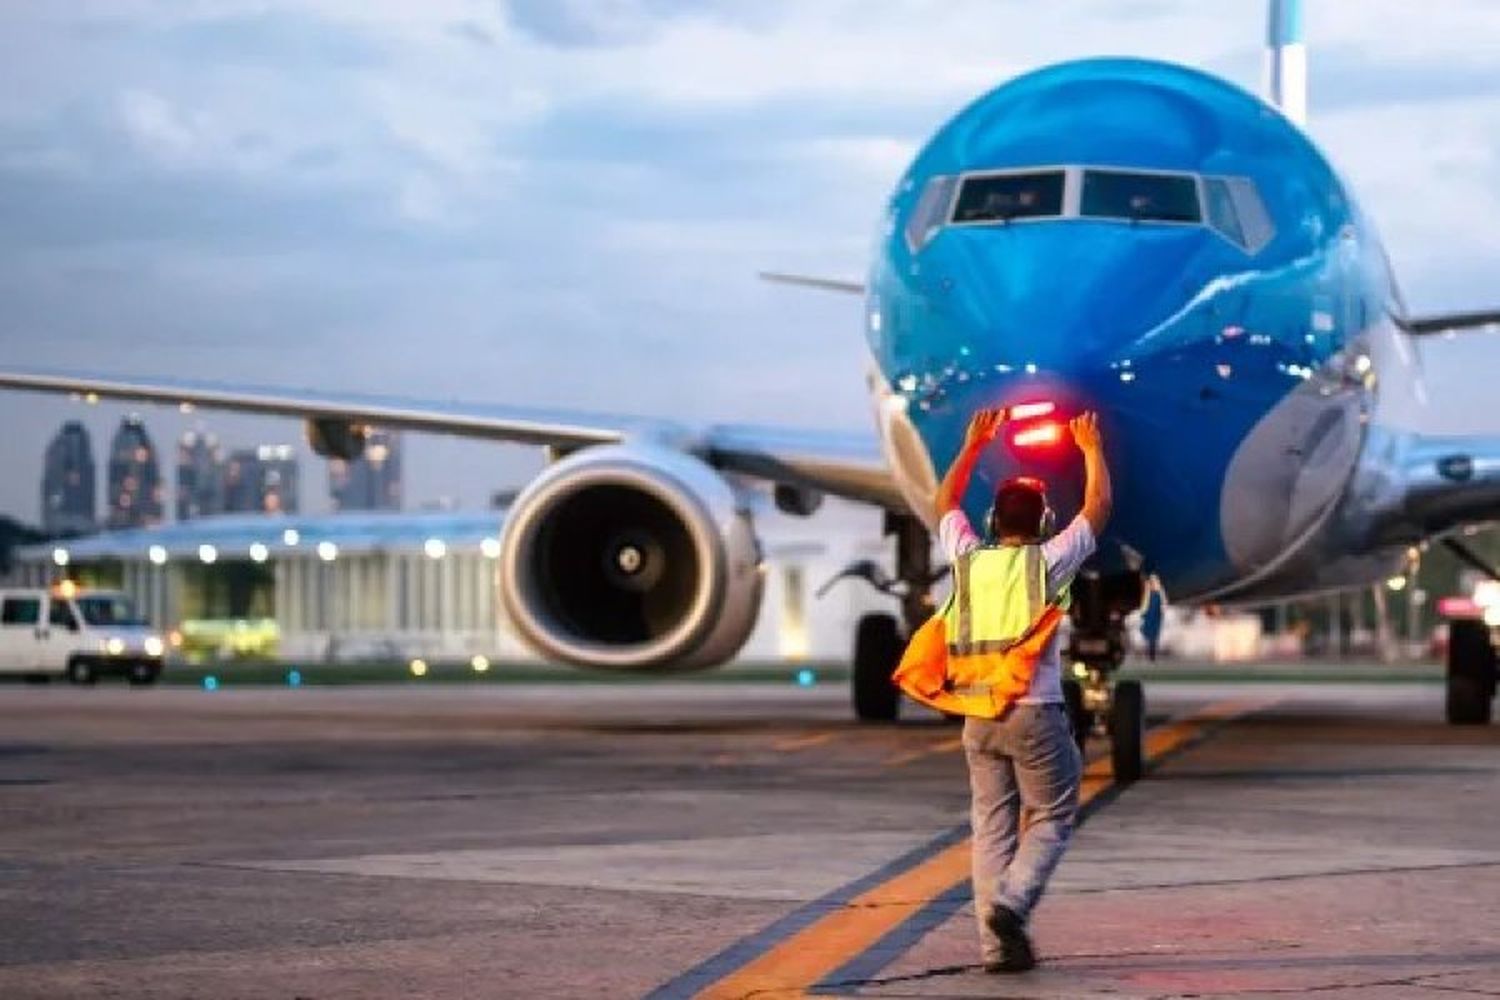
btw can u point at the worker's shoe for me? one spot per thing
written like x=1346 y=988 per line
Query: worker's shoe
x=1015 y=947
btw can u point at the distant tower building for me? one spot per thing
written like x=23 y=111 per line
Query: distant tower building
x=136 y=493
x=200 y=475
x=68 y=492
x=261 y=480
x=373 y=480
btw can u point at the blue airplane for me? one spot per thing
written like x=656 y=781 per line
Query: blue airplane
x=1128 y=236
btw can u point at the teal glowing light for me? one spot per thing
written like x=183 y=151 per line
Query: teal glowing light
x=210 y=683
x=294 y=678
x=806 y=678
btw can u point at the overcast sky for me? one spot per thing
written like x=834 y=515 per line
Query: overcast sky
x=564 y=202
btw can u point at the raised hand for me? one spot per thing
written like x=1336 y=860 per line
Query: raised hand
x=1085 y=428
x=983 y=426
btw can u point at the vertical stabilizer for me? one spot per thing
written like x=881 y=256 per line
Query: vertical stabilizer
x=1286 y=60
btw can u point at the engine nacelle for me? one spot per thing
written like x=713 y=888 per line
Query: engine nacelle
x=631 y=557
x=333 y=438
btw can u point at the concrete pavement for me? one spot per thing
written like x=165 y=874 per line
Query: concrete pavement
x=537 y=841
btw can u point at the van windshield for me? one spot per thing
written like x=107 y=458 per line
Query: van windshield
x=111 y=610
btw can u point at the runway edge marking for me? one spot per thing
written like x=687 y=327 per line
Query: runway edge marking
x=858 y=929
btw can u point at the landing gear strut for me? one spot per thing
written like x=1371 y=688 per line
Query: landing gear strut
x=1097 y=703
x=880 y=639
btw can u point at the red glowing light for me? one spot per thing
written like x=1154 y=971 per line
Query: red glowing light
x=1025 y=411
x=1038 y=435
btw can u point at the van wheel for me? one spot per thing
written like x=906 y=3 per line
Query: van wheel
x=82 y=672
x=143 y=674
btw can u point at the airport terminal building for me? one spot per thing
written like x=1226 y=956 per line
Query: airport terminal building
x=393 y=586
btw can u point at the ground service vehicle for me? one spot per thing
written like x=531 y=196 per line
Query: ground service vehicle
x=78 y=634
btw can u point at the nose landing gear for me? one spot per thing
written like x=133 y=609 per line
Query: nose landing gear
x=1099 y=704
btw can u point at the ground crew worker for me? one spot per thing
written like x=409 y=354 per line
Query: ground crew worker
x=1025 y=757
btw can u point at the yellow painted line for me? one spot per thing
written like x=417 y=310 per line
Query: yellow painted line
x=803 y=742
x=806 y=957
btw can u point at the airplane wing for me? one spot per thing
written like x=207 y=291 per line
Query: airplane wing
x=1444 y=322
x=1426 y=486
x=844 y=464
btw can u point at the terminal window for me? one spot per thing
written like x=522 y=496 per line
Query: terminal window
x=1003 y=197
x=1112 y=194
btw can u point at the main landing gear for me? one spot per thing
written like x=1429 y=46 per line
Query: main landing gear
x=1097 y=702
x=1472 y=670
x=879 y=640
x=1471 y=673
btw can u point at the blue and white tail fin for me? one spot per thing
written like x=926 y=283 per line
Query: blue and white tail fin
x=1286 y=60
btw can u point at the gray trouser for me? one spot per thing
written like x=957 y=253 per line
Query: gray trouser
x=1025 y=759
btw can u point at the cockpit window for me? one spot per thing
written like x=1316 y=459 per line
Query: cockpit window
x=1003 y=197
x=1112 y=194
x=1231 y=206
x=927 y=217
x=1236 y=212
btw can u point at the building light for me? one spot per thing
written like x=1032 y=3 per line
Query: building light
x=327 y=551
x=490 y=547
x=479 y=662
x=60 y=556
x=435 y=548
x=418 y=668
x=157 y=554
x=1396 y=583
x=208 y=554
x=290 y=537
x=259 y=553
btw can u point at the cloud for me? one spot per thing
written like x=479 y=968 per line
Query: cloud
x=565 y=202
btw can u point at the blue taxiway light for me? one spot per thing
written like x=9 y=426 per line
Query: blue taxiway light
x=210 y=683
x=806 y=678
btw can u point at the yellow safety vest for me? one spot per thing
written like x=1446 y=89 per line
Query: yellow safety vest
x=997 y=623
x=999 y=594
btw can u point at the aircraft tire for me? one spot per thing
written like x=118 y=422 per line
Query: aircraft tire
x=877 y=650
x=1471 y=674
x=1078 y=717
x=1127 y=725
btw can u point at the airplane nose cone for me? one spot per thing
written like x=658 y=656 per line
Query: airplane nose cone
x=1063 y=298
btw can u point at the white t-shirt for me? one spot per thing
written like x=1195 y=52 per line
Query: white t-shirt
x=1063 y=554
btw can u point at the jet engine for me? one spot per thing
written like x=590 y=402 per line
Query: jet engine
x=631 y=557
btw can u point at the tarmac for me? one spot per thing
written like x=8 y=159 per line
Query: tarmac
x=722 y=840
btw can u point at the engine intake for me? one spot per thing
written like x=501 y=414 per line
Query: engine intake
x=631 y=557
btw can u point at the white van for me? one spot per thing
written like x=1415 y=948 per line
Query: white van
x=77 y=634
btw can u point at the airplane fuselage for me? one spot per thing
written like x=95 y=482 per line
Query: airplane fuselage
x=1153 y=243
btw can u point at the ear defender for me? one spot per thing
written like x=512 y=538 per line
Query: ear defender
x=1046 y=524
